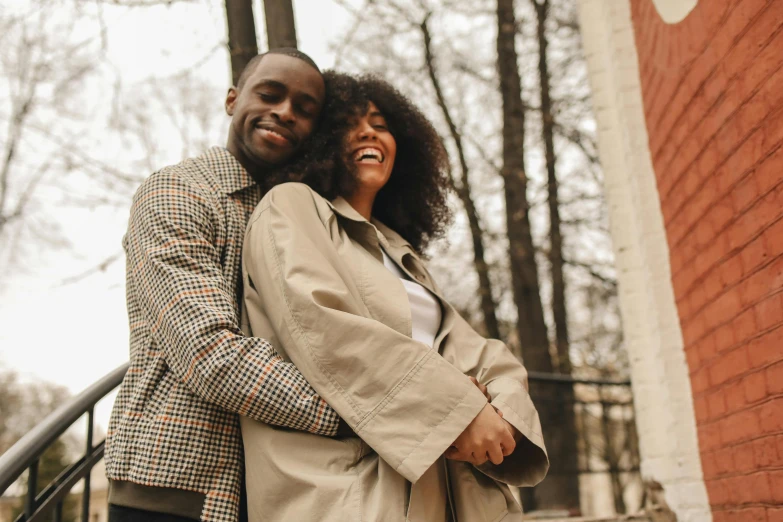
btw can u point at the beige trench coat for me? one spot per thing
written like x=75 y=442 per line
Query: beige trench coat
x=316 y=288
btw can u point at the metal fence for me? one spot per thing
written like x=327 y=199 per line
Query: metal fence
x=590 y=431
x=25 y=454
x=594 y=418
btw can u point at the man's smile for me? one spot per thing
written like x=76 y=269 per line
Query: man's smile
x=275 y=134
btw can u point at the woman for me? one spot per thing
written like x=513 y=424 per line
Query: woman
x=334 y=279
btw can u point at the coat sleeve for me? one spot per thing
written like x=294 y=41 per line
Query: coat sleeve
x=181 y=292
x=493 y=364
x=400 y=396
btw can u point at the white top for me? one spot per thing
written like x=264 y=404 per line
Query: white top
x=426 y=314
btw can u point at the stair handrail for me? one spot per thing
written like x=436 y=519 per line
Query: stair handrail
x=31 y=446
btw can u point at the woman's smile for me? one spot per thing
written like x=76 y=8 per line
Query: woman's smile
x=372 y=149
x=368 y=155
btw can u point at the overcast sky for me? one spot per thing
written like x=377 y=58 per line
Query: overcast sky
x=74 y=334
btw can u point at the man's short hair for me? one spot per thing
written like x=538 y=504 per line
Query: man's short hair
x=286 y=51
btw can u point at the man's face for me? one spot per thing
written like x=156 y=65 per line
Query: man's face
x=274 y=111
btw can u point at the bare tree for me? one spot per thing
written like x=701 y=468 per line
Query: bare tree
x=25 y=404
x=280 y=26
x=44 y=66
x=559 y=311
x=589 y=335
x=242 y=41
x=561 y=488
x=563 y=439
x=531 y=326
x=488 y=305
x=74 y=140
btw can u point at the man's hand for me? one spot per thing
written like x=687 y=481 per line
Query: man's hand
x=486 y=438
x=514 y=432
x=511 y=429
x=481 y=387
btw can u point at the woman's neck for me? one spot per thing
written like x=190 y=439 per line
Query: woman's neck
x=362 y=203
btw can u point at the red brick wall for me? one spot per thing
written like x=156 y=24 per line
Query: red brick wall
x=713 y=99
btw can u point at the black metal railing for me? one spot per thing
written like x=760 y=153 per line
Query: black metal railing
x=594 y=417
x=26 y=453
x=590 y=432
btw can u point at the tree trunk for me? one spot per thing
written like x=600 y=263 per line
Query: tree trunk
x=488 y=305
x=531 y=327
x=242 y=44
x=559 y=312
x=562 y=488
x=280 y=26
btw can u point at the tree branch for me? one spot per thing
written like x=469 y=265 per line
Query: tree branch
x=100 y=267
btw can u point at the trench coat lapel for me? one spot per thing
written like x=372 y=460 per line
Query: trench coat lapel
x=401 y=252
x=382 y=292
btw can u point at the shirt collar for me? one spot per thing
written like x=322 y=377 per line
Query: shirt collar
x=231 y=175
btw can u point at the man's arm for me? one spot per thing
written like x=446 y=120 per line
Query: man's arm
x=174 y=265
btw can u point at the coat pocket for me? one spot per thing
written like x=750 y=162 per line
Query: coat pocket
x=476 y=496
x=490 y=495
x=292 y=475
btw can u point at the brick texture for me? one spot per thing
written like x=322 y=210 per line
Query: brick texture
x=712 y=89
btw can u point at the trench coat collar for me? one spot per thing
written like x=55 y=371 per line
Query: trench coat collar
x=344 y=209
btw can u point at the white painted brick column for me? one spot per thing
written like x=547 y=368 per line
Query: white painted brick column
x=662 y=392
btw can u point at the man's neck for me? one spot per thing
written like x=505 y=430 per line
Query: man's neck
x=255 y=171
x=259 y=174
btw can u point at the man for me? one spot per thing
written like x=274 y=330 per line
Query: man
x=173 y=448
x=174 y=451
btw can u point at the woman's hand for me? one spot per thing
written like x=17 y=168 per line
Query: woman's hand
x=486 y=438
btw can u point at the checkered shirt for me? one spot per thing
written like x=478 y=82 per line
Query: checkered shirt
x=174 y=422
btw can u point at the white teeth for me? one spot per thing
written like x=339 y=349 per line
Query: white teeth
x=369 y=153
x=273 y=133
x=270 y=131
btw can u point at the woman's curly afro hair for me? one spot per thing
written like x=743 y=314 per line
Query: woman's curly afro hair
x=414 y=200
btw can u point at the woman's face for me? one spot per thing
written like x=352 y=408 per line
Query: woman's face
x=372 y=148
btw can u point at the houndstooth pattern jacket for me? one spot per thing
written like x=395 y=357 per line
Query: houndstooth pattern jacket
x=174 y=422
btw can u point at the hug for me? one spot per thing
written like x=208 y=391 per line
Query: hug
x=291 y=357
